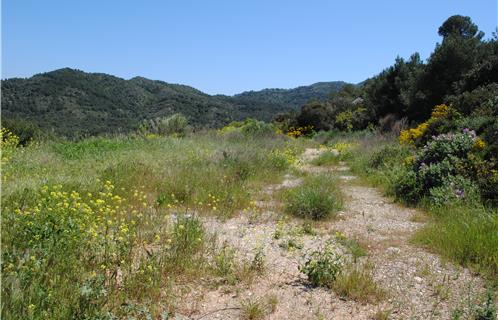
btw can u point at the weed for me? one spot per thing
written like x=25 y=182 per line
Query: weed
x=258 y=308
x=322 y=267
x=317 y=198
x=486 y=311
x=225 y=265
x=382 y=315
x=272 y=302
x=356 y=282
x=352 y=246
x=307 y=228
x=252 y=309
x=258 y=262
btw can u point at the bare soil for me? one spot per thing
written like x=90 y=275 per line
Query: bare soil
x=419 y=284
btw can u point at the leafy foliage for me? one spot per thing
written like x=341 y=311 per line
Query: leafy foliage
x=73 y=103
x=322 y=267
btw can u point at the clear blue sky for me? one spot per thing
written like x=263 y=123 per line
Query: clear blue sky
x=226 y=46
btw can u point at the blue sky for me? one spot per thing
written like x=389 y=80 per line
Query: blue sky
x=226 y=46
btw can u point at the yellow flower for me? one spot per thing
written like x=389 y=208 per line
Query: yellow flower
x=479 y=144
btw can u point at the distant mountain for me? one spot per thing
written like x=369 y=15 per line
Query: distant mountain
x=72 y=102
x=295 y=97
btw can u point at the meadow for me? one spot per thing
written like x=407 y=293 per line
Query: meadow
x=113 y=227
x=105 y=227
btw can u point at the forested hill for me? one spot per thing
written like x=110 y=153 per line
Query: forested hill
x=72 y=102
x=295 y=97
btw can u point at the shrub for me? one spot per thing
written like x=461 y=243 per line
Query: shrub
x=454 y=189
x=445 y=168
x=80 y=240
x=250 y=128
x=175 y=124
x=8 y=144
x=388 y=156
x=322 y=267
x=257 y=128
x=442 y=115
x=26 y=131
x=282 y=159
x=317 y=198
x=446 y=146
x=407 y=188
x=354 y=119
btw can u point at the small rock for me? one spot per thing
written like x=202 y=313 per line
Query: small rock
x=393 y=250
x=418 y=279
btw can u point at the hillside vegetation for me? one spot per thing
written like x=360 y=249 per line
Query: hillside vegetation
x=74 y=103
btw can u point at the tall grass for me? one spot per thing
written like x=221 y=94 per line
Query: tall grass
x=468 y=236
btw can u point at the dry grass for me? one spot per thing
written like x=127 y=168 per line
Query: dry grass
x=356 y=282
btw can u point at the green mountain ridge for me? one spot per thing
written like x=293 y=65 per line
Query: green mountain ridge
x=72 y=102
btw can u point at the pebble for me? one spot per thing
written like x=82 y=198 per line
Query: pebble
x=393 y=250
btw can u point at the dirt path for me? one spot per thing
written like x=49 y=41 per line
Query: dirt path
x=419 y=284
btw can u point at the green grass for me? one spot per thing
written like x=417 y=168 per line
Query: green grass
x=326 y=159
x=110 y=226
x=318 y=197
x=467 y=236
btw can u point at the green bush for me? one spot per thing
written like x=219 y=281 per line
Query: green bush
x=407 y=188
x=454 y=189
x=257 y=128
x=317 y=198
x=175 y=124
x=446 y=146
x=448 y=168
x=322 y=267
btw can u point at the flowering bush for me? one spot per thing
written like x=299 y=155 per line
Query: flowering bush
x=299 y=131
x=447 y=146
x=343 y=147
x=85 y=241
x=419 y=135
x=446 y=169
x=8 y=144
x=454 y=189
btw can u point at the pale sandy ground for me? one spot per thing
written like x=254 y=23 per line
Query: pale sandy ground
x=419 y=285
